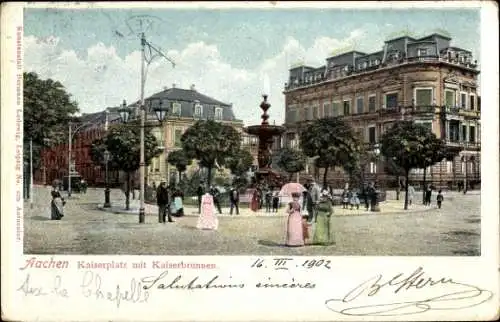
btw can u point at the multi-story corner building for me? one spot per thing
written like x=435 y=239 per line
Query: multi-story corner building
x=185 y=107
x=91 y=126
x=426 y=80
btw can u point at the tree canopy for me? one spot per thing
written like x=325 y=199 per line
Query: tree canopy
x=179 y=160
x=332 y=141
x=291 y=161
x=47 y=109
x=210 y=142
x=410 y=145
x=240 y=162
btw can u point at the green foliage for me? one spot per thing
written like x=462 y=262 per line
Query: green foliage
x=179 y=160
x=47 y=109
x=292 y=160
x=409 y=145
x=333 y=142
x=123 y=143
x=240 y=162
x=210 y=142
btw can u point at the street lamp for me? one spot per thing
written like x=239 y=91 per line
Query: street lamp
x=107 y=204
x=376 y=152
x=160 y=112
x=375 y=202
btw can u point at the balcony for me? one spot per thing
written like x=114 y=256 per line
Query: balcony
x=464 y=144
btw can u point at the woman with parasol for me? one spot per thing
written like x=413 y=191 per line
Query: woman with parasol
x=296 y=231
x=57 y=203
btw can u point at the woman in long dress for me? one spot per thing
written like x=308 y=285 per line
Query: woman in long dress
x=57 y=204
x=295 y=232
x=322 y=233
x=207 y=219
x=179 y=207
x=254 y=204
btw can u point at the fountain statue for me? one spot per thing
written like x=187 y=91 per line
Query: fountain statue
x=266 y=134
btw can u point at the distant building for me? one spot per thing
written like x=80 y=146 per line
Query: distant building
x=426 y=80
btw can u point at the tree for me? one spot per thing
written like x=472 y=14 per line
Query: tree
x=179 y=160
x=406 y=144
x=239 y=164
x=123 y=144
x=291 y=161
x=393 y=169
x=211 y=143
x=333 y=141
x=433 y=154
x=47 y=109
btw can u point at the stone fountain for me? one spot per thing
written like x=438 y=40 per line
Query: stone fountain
x=266 y=134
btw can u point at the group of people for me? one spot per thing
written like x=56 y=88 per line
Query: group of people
x=265 y=196
x=170 y=202
x=313 y=213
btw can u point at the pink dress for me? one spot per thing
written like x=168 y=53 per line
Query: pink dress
x=207 y=219
x=294 y=233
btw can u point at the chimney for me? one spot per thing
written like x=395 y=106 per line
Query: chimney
x=165 y=88
x=173 y=85
x=192 y=87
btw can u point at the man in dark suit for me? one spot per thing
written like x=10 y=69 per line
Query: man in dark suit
x=162 y=199
x=234 y=199
x=216 y=195
x=200 y=192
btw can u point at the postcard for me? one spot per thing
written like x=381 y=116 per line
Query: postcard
x=250 y=161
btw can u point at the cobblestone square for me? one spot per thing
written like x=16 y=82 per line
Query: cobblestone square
x=453 y=230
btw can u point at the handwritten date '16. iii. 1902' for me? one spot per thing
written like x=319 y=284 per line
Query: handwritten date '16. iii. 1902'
x=285 y=263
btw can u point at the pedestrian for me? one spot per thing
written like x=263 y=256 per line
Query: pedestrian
x=276 y=201
x=428 y=195
x=439 y=198
x=83 y=186
x=234 y=200
x=260 y=198
x=411 y=194
x=57 y=204
x=322 y=232
x=178 y=201
x=345 y=199
x=162 y=200
x=313 y=199
x=254 y=204
x=295 y=227
x=354 y=200
x=364 y=195
x=216 y=195
x=200 y=191
x=268 y=199
x=207 y=219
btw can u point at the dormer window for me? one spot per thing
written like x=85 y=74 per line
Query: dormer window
x=365 y=64
x=421 y=52
x=176 y=108
x=377 y=61
x=346 y=68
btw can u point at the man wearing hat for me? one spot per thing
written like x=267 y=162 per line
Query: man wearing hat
x=162 y=199
x=314 y=192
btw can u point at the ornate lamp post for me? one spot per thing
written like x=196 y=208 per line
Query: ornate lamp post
x=107 y=204
x=160 y=113
x=375 y=199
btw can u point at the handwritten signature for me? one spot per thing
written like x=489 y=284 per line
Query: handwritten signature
x=450 y=295
x=27 y=288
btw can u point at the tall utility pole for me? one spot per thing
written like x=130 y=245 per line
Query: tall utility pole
x=69 y=159
x=142 y=164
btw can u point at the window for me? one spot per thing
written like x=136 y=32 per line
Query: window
x=449 y=166
x=198 y=110
x=449 y=98
x=377 y=61
x=391 y=100
x=347 y=108
x=371 y=103
x=472 y=103
x=421 y=52
x=177 y=137
x=315 y=112
x=463 y=100
x=371 y=135
x=423 y=96
x=336 y=109
x=365 y=64
x=176 y=108
x=218 y=113
x=464 y=133
x=326 y=109
x=373 y=167
x=359 y=105
x=472 y=134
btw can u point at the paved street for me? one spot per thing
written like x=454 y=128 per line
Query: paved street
x=85 y=229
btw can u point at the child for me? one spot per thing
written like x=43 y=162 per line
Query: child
x=439 y=199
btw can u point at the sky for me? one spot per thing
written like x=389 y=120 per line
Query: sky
x=232 y=55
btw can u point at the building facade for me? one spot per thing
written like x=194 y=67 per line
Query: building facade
x=425 y=80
